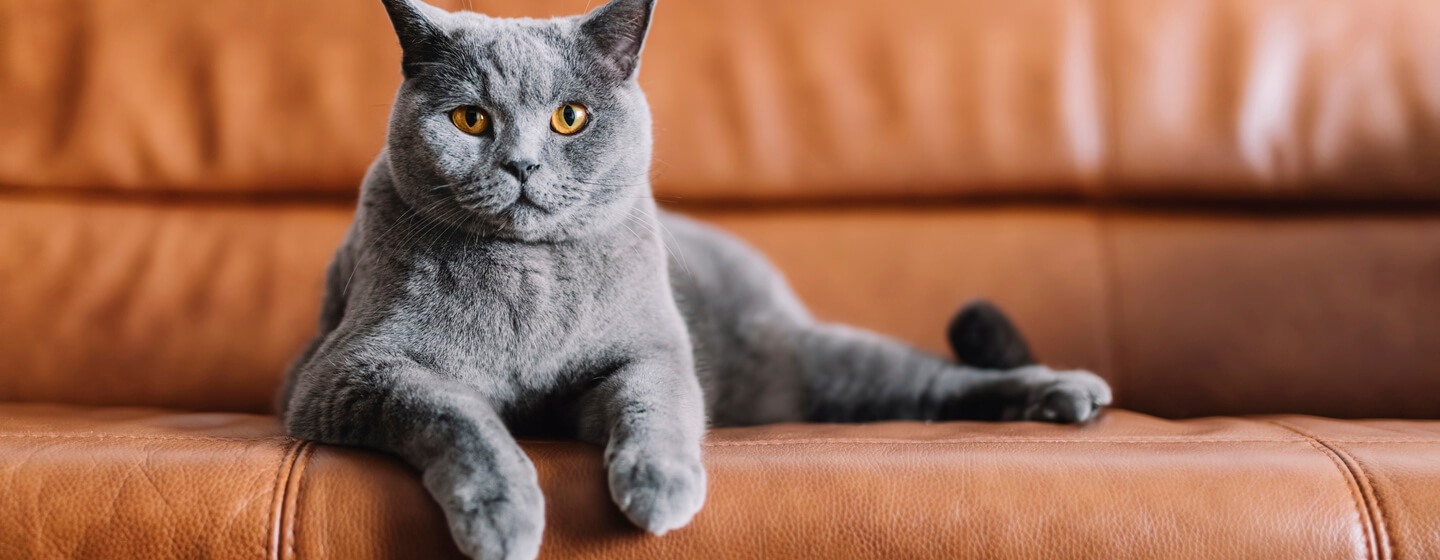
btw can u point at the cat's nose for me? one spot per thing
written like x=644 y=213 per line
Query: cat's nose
x=521 y=168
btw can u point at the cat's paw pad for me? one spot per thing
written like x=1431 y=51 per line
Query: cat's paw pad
x=499 y=526
x=658 y=492
x=1066 y=397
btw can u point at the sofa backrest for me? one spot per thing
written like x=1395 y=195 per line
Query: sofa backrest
x=1226 y=206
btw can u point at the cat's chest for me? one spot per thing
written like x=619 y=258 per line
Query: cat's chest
x=504 y=300
x=523 y=316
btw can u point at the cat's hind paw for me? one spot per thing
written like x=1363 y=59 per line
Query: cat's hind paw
x=1064 y=397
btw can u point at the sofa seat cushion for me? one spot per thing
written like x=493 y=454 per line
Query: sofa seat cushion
x=143 y=483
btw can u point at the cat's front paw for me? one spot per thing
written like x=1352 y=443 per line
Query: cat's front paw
x=1063 y=396
x=658 y=491
x=497 y=524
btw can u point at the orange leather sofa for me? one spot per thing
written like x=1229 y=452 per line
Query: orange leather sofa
x=1228 y=208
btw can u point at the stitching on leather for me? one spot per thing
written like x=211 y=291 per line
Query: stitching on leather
x=1383 y=440
x=1367 y=488
x=282 y=475
x=1390 y=542
x=1362 y=513
x=1371 y=530
x=291 y=515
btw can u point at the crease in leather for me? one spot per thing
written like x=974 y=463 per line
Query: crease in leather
x=1110 y=303
x=1377 y=535
x=280 y=496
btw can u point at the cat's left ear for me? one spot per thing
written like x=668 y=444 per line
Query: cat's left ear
x=615 y=33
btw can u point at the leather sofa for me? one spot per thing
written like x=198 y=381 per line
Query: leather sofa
x=1228 y=208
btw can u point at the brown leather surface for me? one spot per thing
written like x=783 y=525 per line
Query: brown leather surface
x=756 y=99
x=128 y=483
x=1238 y=314
x=1394 y=475
x=103 y=483
x=189 y=306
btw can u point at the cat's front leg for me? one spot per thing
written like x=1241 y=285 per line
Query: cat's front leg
x=650 y=416
x=467 y=458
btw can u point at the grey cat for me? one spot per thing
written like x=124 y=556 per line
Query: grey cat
x=507 y=272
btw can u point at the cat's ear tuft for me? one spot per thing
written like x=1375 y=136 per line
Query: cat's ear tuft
x=421 y=40
x=615 y=33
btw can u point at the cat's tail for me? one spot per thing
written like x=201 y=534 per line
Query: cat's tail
x=983 y=337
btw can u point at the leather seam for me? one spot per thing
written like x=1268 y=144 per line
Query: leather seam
x=278 y=493
x=1365 y=510
x=1384 y=547
x=291 y=503
x=1383 y=520
x=1114 y=310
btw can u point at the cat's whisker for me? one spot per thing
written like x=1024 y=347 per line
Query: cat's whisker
x=439 y=221
x=632 y=232
x=656 y=227
x=380 y=238
x=419 y=230
x=449 y=185
x=680 y=249
x=467 y=197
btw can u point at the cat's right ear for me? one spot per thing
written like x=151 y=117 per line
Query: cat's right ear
x=421 y=40
x=615 y=33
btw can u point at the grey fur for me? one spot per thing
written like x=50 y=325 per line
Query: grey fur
x=465 y=305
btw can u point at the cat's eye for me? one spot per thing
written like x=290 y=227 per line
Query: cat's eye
x=569 y=118
x=469 y=119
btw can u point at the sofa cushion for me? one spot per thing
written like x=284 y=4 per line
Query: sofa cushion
x=95 y=482
x=200 y=305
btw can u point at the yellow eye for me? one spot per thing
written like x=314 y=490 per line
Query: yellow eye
x=469 y=119
x=569 y=118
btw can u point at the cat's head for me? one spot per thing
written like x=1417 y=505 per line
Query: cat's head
x=520 y=128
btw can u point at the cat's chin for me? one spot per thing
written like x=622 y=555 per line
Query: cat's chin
x=529 y=222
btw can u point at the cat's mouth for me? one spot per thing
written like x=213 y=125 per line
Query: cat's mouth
x=524 y=203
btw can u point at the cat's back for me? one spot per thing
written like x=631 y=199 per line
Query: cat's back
x=720 y=271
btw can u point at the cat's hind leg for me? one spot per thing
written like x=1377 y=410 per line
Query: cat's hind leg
x=854 y=375
x=763 y=358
